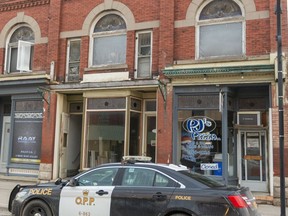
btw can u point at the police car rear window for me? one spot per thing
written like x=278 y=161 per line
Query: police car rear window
x=202 y=179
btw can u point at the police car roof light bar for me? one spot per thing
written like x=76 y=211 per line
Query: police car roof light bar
x=133 y=159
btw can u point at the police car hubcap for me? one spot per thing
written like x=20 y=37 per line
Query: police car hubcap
x=37 y=214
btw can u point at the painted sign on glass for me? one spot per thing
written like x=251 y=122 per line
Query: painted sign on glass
x=198 y=135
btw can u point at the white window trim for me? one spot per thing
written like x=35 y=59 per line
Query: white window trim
x=200 y=23
x=136 y=54
x=93 y=35
x=68 y=56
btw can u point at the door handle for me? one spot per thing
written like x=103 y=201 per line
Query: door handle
x=101 y=192
x=159 y=196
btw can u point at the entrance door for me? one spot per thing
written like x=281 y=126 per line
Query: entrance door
x=5 y=144
x=63 y=145
x=74 y=144
x=252 y=159
x=150 y=136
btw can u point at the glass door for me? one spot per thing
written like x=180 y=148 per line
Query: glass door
x=5 y=144
x=252 y=160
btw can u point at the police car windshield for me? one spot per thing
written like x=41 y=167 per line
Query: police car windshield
x=202 y=179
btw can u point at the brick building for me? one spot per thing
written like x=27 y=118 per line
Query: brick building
x=183 y=81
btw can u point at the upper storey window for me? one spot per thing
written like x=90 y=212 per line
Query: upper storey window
x=220 y=30
x=19 y=54
x=109 y=41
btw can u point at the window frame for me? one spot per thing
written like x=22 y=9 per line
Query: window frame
x=136 y=74
x=217 y=21
x=94 y=35
x=9 y=46
x=68 y=62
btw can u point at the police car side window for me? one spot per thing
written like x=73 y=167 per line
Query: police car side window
x=146 y=178
x=138 y=177
x=164 y=181
x=99 y=177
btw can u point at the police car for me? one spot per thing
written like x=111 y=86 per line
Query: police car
x=133 y=188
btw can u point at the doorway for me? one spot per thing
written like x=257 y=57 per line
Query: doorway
x=252 y=159
x=5 y=144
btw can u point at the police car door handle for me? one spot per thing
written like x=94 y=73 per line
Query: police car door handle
x=101 y=192
x=159 y=196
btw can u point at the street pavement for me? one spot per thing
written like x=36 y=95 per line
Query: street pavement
x=265 y=210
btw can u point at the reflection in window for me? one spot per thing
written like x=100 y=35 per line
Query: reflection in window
x=109 y=41
x=20 y=50
x=220 y=29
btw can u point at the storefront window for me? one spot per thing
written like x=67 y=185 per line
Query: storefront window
x=200 y=141
x=27 y=133
x=105 y=136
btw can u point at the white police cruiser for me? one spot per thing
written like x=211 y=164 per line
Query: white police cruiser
x=133 y=188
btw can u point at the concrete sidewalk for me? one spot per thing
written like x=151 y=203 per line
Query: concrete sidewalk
x=270 y=210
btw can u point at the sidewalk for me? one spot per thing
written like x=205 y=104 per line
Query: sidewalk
x=265 y=210
x=270 y=210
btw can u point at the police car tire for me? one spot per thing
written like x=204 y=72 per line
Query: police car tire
x=37 y=206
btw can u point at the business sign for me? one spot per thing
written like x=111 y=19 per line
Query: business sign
x=200 y=128
x=209 y=166
x=26 y=143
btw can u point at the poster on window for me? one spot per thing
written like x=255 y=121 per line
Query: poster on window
x=253 y=143
x=26 y=142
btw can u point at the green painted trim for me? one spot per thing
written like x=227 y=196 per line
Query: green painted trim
x=219 y=70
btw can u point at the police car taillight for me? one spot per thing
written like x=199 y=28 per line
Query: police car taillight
x=237 y=201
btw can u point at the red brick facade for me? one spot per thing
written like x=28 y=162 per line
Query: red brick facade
x=174 y=42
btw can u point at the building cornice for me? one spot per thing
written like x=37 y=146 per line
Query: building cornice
x=170 y=73
x=8 y=5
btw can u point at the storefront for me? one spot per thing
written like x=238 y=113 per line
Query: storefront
x=99 y=126
x=222 y=131
x=118 y=126
x=21 y=121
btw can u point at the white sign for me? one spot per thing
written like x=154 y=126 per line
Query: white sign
x=209 y=166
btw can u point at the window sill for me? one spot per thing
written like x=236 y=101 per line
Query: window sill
x=107 y=67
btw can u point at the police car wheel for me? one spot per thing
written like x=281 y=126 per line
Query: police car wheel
x=36 y=208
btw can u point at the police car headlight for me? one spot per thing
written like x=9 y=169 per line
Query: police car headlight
x=21 y=194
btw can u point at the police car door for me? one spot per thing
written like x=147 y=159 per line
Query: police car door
x=91 y=196
x=143 y=192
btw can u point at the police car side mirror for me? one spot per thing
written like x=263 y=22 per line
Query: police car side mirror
x=73 y=182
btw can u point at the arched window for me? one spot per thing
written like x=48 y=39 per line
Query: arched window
x=220 y=30
x=109 y=41
x=20 y=50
